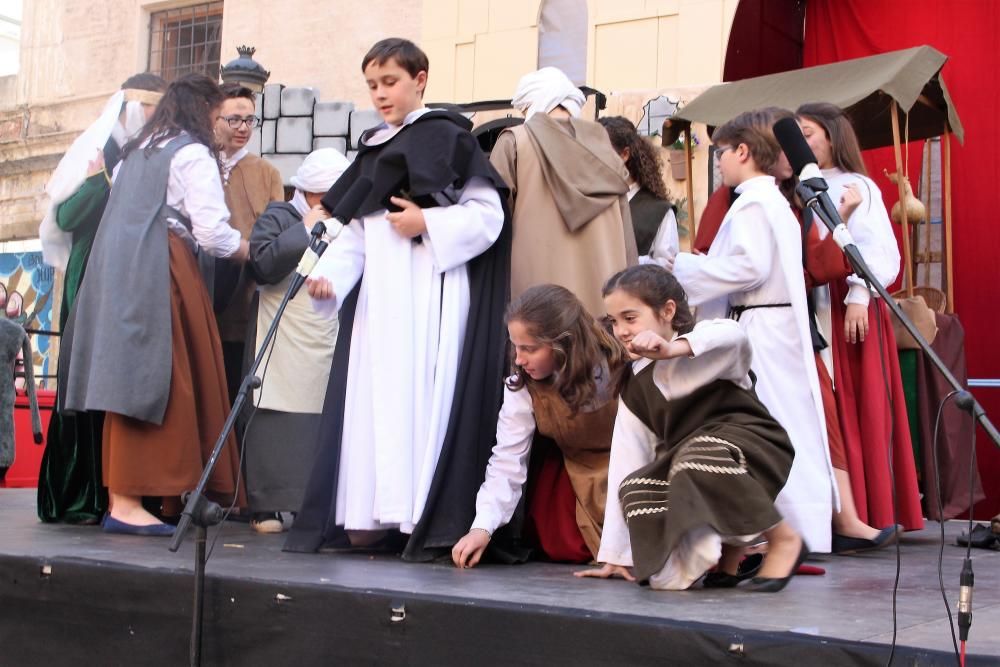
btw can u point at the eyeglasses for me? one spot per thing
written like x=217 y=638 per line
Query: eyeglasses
x=236 y=121
x=723 y=149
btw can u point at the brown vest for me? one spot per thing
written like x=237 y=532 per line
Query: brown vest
x=585 y=442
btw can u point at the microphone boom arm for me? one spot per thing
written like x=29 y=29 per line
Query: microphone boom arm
x=815 y=197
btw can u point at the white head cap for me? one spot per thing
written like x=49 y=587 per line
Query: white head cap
x=320 y=170
x=546 y=89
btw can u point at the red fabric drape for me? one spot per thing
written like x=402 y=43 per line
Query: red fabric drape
x=964 y=30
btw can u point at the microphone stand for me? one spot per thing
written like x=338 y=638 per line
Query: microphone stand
x=810 y=191
x=199 y=510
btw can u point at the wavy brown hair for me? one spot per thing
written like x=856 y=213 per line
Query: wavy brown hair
x=187 y=106
x=644 y=163
x=583 y=349
x=845 y=149
x=654 y=286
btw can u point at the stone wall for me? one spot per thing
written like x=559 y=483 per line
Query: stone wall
x=296 y=122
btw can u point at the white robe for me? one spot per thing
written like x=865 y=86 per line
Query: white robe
x=756 y=258
x=406 y=345
x=871 y=229
x=720 y=351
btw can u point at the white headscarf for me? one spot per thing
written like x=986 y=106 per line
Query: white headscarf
x=318 y=172
x=546 y=89
x=72 y=170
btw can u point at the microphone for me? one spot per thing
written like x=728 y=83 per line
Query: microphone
x=323 y=235
x=812 y=186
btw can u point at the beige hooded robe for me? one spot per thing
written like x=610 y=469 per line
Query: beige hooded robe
x=570 y=208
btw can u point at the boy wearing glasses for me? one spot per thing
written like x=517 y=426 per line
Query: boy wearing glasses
x=250 y=184
x=753 y=274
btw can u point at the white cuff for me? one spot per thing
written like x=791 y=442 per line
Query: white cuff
x=487 y=523
x=859 y=294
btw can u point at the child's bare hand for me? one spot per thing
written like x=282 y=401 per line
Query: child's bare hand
x=648 y=344
x=468 y=550
x=850 y=199
x=606 y=571
x=96 y=165
x=314 y=215
x=410 y=221
x=856 y=322
x=320 y=288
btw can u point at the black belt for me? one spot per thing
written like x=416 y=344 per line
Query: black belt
x=736 y=311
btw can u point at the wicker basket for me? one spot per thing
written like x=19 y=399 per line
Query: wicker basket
x=935 y=299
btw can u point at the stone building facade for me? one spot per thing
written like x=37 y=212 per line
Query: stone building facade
x=75 y=53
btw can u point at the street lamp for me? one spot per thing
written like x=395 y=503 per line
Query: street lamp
x=245 y=70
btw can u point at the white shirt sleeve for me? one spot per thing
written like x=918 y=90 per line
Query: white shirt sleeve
x=508 y=467
x=195 y=189
x=744 y=266
x=632 y=446
x=342 y=264
x=460 y=232
x=872 y=231
x=667 y=243
x=720 y=350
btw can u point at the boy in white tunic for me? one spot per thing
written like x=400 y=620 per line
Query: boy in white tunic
x=753 y=273
x=419 y=279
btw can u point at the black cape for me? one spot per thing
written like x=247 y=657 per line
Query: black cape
x=434 y=154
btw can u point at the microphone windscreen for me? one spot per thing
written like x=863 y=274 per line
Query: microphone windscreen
x=795 y=146
x=352 y=200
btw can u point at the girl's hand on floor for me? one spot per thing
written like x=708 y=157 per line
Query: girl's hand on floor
x=606 y=571
x=468 y=550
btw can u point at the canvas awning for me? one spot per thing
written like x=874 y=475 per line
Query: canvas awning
x=863 y=87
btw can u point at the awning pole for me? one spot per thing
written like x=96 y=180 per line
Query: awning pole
x=900 y=181
x=689 y=184
x=946 y=140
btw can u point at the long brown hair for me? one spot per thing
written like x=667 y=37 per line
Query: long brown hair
x=583 y=348
x=845 y=151
x=654 y=286
x=186 y=107
x=644 y=163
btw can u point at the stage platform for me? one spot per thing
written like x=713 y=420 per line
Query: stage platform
x=74 y=596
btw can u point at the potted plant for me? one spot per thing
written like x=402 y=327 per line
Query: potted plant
x=678 y=165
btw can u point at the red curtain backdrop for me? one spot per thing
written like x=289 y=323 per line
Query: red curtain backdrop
x=966 y=31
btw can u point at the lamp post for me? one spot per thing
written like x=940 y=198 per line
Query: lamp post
x=245 y=70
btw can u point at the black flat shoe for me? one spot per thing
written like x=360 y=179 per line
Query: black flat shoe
x=748 y=567
x=982 y=538
x=844 y=545
x=773 y=585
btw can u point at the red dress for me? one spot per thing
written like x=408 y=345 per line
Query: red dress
x=873 y=422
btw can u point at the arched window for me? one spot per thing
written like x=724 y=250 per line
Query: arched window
x=562 y=37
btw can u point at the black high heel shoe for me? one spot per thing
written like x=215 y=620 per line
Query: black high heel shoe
x=748 y=567
x=773 y=584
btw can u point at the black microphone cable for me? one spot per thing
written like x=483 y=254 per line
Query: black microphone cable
x=940 y=508
x=892 y=472
x=967 y=578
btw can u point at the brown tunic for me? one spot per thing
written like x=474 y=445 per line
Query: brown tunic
x=721 y=460
x=571 y=220
x=253 y=184
x=585 y=442
x=143 y=459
